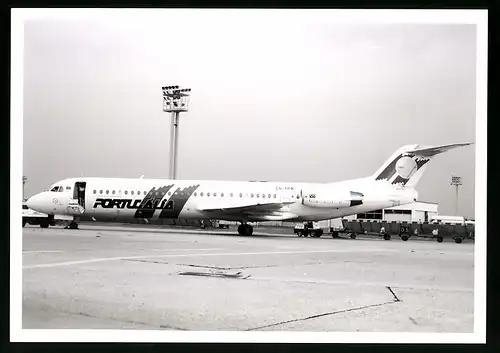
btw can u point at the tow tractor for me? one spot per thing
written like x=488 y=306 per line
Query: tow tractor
x=308 y=229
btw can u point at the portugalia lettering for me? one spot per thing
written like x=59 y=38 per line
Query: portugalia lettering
x=149 y=204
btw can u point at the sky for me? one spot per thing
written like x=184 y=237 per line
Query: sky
x=273 y=98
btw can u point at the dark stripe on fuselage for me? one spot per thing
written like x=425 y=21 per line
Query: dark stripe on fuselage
x=390 y=170
x=148 y=205
x=179 y=198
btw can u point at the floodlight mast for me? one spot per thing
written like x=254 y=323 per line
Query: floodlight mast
x=175 y=101
x=456 y=180
x=25 y=178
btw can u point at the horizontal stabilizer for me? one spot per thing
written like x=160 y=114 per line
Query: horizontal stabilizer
x=432 y=151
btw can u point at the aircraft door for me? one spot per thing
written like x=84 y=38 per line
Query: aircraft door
x=79 y=193
x=76 y=204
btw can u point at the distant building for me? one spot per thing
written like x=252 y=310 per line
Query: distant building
x=414 y=212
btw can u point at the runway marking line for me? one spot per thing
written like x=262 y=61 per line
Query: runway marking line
x=79 y=262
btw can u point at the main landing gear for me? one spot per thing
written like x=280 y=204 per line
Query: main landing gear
x=245 y=229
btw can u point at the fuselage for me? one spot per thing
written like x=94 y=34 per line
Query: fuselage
x=128 y=198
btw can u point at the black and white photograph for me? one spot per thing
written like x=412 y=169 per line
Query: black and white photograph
x=248 y=175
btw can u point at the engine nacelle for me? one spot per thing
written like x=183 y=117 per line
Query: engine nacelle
x=332 y=199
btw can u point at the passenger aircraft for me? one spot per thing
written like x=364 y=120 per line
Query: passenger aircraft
x=123 y=199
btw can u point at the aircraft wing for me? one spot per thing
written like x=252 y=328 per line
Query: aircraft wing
x=275 y=210
x=431 y=151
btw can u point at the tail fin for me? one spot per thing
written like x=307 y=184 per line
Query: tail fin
x=407 y=165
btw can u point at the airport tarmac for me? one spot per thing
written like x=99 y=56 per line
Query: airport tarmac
x=119 y=277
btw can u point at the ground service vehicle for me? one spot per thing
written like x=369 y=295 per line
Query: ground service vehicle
x=308 y=229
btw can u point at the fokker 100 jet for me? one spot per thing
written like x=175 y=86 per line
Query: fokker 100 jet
x=125 y=199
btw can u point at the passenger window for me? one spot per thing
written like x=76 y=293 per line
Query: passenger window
x=215 y=194
x=208 y=194
x=231 y=194
x=107 y=192
x=274 y=195
x=113 y=192
x=269 y=195
x=95 y=191
x=241 y=195
x=257 y=195
x=100 y=192
x=169 y=193
x=195 y=194
x=263 y=196
x=132 y=192
x=222 y=195
x=251 y=195
x=138 y=193
x=126 y=192
x=182 y=194
x=145 y=192
x=201 y=193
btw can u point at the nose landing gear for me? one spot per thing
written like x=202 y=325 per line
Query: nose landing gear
x=73 y=224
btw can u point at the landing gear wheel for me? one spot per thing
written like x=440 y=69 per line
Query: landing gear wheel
x=318 y=233
x=458 y=240
x=439 y=239
x=24 y=223
x=353 y=236
x=73 y=225
x=335 y=234
x=299 y=234
x=245 y=229
x=44 y=225
x=404 y=237
x=387 y=237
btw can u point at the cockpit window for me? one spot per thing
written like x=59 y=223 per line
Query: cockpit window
x=57 y=189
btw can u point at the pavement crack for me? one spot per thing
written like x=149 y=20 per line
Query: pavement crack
x=320 y=315
x=201 y=266
x=227 y=268
x=124 y=320
x=412 y=320
x=396 y=299
x=237 y=275
x=147 y=261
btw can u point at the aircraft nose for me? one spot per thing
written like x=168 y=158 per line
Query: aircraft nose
x=35 y=202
